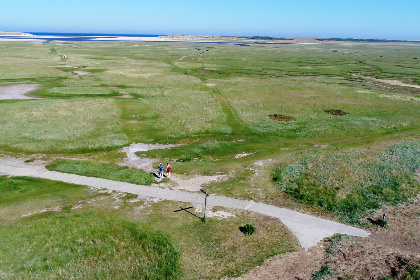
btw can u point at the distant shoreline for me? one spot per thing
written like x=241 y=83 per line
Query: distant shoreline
x=56 y=37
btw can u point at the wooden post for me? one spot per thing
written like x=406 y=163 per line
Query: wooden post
x=205 y=204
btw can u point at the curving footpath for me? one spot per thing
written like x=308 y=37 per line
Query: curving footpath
x=309 y=230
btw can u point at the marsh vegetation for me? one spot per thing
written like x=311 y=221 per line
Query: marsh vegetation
x=311 y=133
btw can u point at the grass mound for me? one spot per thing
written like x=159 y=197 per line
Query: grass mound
x=103 y=170
x=353 y=182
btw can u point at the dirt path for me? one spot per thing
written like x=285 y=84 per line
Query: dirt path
x=308 y=229
x=177 y=182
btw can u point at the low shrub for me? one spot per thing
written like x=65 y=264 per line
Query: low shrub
x=248 y=229
x=323 y=271
x=351 y=183
x=382 y=222
x=413 y=273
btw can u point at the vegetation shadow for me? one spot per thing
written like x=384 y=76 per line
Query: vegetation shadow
x=378 y=222
x=186 y=210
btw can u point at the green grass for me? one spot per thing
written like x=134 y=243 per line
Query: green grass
x=79 y=91
x=249 y=84
x=186 y=113
x=305 y=100
x=218 y=248
x=53 y=126
x=85 y=246
x=22 y=195
x=102 y=170
x=220 y=110
x=352 y=182
x=88 y=235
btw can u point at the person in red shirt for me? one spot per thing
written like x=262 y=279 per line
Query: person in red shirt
x=168 y=170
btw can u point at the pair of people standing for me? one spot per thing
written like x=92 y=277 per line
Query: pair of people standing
x=161 y=168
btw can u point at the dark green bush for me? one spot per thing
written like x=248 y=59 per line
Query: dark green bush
x=382 y=222
x=248 y=229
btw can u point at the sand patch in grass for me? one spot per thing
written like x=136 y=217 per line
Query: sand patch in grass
x=17 y=91
x=388 y=81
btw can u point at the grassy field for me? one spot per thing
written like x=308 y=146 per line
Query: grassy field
x=56 y=230
x=259 y=113
x=56 y=125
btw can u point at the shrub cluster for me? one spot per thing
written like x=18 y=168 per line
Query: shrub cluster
x=350 y=183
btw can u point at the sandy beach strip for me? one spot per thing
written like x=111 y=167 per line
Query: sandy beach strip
x=163 y=38
x=129 y=38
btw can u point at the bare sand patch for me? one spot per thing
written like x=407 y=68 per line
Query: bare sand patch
x=81 y=73
x=177 y=181
x=194 y=184
x=125 y=95
x=388 y=81
x=145 y=164
x=243 y=155
x=397 y=83
x=17 y=91
x=199 y=208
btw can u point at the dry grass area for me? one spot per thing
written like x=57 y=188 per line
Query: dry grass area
x=388 y=252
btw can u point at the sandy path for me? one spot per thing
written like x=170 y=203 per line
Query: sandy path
x=177 y=181
x=309 y=230
x=17 y=91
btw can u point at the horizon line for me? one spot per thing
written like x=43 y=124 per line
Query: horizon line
x=203 y=35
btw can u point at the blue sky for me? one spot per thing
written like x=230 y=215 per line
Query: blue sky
x=376 y=19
